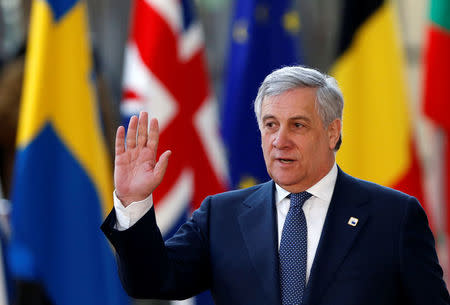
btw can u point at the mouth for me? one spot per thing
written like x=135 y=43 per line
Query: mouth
x=285 y=161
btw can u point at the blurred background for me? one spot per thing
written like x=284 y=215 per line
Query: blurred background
x=196 y=65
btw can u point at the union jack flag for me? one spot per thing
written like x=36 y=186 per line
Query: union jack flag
x=165 y=74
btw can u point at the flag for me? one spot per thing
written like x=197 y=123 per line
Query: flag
x=165 y=74
x=264 y=36
x=62 y=184
x=437 y=64
x=436 y=98
x=378 y=138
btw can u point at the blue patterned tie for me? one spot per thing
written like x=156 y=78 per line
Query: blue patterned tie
x=293 y=252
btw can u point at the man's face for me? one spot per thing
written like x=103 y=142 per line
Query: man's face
x=298 y=149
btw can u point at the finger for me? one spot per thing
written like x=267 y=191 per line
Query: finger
x=131 y=132
x=161 y=166
x=153 y=136
x=120 y=140
x=142 y=129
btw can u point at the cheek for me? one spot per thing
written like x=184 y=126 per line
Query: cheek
x=309 y=148
x=265 y=142
x=322 y=147
x=266 y=149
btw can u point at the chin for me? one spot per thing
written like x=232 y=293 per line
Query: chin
x=285 y=182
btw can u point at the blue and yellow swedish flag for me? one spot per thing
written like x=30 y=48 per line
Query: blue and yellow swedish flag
x=264 y=36
x=63 y=180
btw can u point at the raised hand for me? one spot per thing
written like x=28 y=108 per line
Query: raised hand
x=136 y=172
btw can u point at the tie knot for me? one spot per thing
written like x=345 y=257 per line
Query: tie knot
x=298 y=199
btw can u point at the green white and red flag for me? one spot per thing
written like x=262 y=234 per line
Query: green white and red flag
x=436 y=88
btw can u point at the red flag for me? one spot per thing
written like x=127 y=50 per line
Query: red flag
x=165 y=75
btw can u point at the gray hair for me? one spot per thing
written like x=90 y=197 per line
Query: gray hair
x=329 y=100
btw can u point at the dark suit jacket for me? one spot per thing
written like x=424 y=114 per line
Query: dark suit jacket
x=230 y=246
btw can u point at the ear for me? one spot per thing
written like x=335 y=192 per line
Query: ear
x=334 y=131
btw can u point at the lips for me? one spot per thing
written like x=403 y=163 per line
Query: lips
x=285 y=160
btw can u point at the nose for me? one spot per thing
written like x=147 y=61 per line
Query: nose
x=281 y=140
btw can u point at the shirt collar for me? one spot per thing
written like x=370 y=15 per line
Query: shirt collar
x=322 y=189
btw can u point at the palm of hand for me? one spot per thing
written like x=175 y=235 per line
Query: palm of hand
x=136 y=172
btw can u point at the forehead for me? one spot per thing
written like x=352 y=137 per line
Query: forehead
x=292 y=102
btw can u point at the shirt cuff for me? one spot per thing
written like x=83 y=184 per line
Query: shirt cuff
x=128 y=216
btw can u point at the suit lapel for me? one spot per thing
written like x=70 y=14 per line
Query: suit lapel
x=337 y=237
x=259 y=230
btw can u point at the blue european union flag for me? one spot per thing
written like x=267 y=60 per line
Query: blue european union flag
x=264 y=36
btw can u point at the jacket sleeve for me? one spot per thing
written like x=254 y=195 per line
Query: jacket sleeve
x=150 y=268
x=420 y=269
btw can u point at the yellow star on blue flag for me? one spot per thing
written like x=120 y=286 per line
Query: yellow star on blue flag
x=265 y=35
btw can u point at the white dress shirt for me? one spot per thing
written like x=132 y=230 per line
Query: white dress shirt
x=315 y=209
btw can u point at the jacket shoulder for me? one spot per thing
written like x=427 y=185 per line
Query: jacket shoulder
x=241 y=193
x=382 y=195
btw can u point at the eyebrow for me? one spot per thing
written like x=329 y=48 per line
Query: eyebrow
x=297 y=117
x=267 y=116
x=300 y=117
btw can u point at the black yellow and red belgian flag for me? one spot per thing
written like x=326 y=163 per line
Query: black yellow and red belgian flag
x=378 y=138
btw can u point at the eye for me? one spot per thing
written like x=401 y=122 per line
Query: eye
x=298 y=125
x=269 y=124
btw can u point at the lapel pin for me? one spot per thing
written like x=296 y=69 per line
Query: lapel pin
x=353 y=221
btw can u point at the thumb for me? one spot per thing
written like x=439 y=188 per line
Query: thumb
x=161 y=165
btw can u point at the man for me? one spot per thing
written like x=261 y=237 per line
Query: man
x=312 y=235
